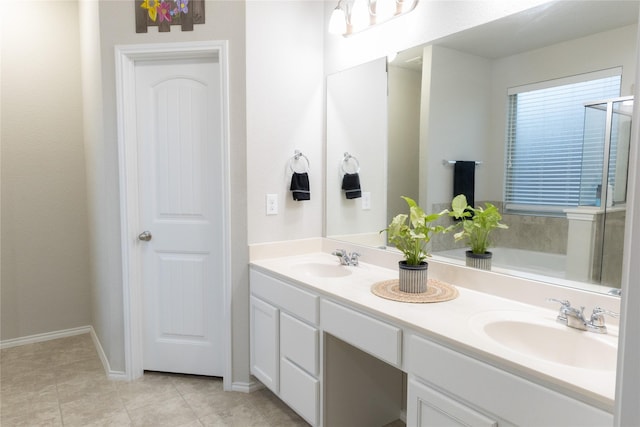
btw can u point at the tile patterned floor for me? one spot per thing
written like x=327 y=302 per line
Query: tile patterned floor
x=62 y=383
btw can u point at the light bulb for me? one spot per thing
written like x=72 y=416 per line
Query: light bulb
x=385 y=9
x=406 y=5
x=338 y=21
x=360 y=17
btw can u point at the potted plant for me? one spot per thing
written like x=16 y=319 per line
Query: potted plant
x=411 y=238
x=476 y=225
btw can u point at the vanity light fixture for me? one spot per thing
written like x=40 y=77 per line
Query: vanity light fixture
x=339 y=21
x=352 y=16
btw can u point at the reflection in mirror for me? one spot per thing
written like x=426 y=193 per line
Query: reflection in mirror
x=357 y=125
x=450 y=100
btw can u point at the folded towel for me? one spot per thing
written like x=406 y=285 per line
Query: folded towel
x=300 y=186
x=464 y=180
x=351 y=185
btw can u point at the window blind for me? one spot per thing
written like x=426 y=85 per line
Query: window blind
x=545 y=129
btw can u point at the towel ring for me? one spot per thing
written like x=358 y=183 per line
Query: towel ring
x=296 y=159
x=346 y=160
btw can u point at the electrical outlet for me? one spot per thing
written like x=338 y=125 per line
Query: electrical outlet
x=366 y=200
x=272 y=204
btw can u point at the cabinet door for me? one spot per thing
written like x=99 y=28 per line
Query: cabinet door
x=428 y=408
x=264 y=343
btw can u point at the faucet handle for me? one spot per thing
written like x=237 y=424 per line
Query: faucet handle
x=596 y=323
x=565 y=307
x=599 y=311
x=563 y=302
x=342 y=255
x=354 y=258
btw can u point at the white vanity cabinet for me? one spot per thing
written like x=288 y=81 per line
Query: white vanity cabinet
x=285 y=343
x=305 y=344
x=448 y=388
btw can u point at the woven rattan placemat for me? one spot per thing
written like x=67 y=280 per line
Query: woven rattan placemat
x=437 y=291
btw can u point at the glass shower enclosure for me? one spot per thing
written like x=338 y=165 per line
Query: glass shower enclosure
x=603 y=190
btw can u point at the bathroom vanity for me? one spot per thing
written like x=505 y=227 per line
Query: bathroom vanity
x=339 y=355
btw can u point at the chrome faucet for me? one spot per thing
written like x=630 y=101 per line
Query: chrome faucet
x=346 y=258
x=569 y=315
x=574 y=318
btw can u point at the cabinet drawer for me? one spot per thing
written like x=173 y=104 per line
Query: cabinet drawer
x=294 y=300
x=300 y=391
x=299 y=343
x=428 y=408
x=378 y=338
x=513 y=398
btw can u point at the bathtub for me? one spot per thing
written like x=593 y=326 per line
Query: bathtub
x=515 y=261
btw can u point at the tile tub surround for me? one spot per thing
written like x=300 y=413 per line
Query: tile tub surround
x=448 y=322
x=538 y=233
x=62 y=383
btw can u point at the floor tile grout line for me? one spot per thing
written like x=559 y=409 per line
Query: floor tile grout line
x=59 y=403
x=70 y=352
x=124 y=406
x=173 y=384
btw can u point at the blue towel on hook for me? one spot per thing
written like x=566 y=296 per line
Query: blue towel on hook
x=300 y=186
x=351 y=185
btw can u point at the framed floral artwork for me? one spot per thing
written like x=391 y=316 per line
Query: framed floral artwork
x=165 y=13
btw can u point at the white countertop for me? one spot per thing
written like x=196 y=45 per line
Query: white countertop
x=455 y=323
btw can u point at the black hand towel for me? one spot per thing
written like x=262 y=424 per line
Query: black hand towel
x=300 y=186
x=464 y=180
x=351 y=185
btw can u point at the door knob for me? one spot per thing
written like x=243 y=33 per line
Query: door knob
x=144 y=236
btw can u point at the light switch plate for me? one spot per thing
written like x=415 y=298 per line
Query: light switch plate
x=366 y=200
x=272 y=204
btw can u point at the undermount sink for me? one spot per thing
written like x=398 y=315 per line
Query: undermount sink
x=319 y=269
x=544 y=339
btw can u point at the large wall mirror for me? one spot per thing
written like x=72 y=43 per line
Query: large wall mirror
x=404 y=121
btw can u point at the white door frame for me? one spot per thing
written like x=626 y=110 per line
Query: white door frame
x=126 y=57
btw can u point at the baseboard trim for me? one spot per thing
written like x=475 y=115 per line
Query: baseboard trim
x=248 y=387
x=113 y=375
x=32 y=339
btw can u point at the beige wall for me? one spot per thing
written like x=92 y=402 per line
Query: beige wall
x=404 y=135
x=285 y=107
x=357 y=123
x=454 y=120
x=45 y=263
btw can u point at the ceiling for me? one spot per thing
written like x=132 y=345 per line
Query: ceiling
x=538 y=27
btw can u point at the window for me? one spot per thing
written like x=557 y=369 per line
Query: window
x=545 y=127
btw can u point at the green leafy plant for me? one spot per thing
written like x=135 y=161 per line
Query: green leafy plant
x=476 y=223
x=412 y=237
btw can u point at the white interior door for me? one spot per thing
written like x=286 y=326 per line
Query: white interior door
x=180 y=164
